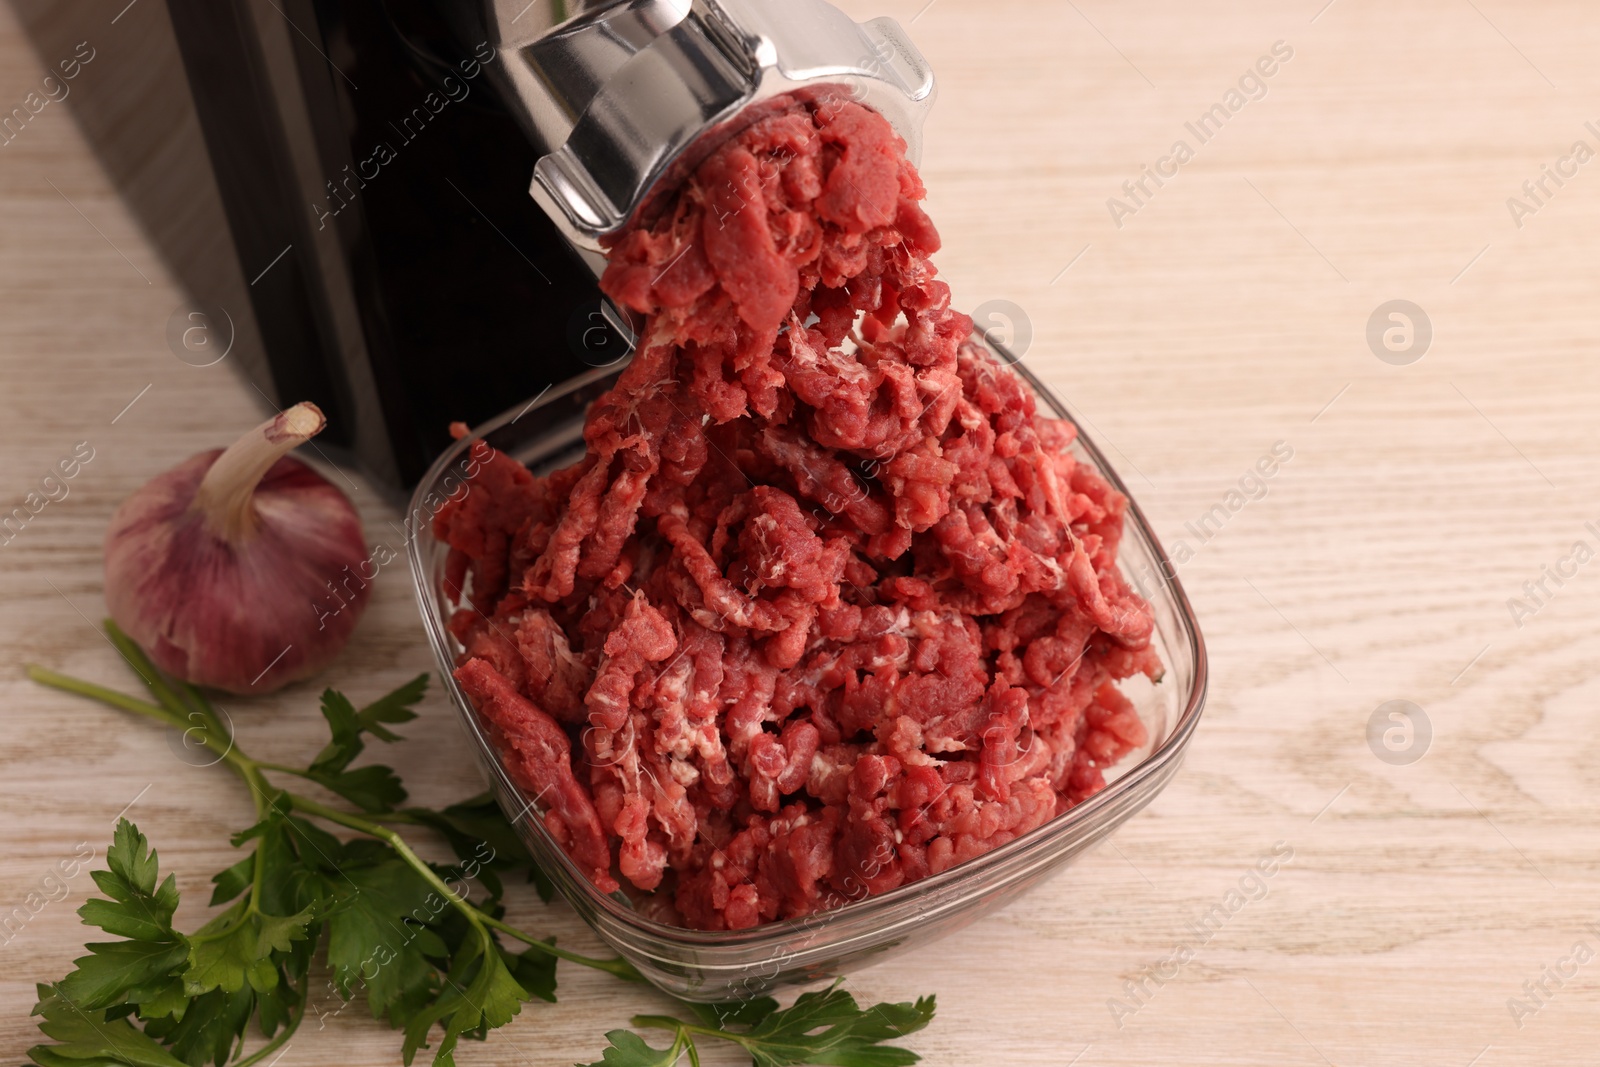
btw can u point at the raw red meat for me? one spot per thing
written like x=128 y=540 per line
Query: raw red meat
x=828 y=606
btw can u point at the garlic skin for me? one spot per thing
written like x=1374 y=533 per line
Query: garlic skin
x=217 y=567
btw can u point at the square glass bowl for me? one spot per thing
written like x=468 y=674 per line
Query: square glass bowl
x=725 y=965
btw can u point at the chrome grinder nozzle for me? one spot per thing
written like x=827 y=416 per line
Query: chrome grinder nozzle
x=629 y=95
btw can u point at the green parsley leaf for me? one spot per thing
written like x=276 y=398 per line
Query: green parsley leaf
x=825 y=1028
x=346 y=729
x=535 y=971
x=828 y=1028
x=394 y=707
x=140 y=910
x=233 y=881
x=479 y=995
x=373 y=788
x=137 y=908
x=347 y=724
x=628 y=1049
x=236 y=947
x=381 y=935
x=210 y=1029
x=86 y=1038
x=116 y=968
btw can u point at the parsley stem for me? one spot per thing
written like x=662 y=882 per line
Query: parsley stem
x=145 y=670
x=352 y=821
x=619 y=967
x=281 y=769
x=682 y=1039
x=70 y=684
x=208 y=714
x=405 y=818
x=194 y=714
x=668 y=1022
x=683 y=1035
x=687 y=1032
x=376 y=816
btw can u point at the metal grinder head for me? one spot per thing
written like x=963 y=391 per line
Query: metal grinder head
x=628 y=96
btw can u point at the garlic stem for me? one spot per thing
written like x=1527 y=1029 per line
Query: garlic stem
x=227 y=493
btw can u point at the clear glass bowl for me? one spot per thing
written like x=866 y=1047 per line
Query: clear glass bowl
x=725 y=965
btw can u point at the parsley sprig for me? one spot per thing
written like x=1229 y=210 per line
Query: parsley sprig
x=425 y=943
x=825 y=1027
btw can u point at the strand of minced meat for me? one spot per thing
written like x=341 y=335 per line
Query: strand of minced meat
x=828 y=606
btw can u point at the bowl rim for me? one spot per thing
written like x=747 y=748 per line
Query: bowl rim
x=1161 y=758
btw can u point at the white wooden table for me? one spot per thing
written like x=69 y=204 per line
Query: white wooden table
x=1227 y=313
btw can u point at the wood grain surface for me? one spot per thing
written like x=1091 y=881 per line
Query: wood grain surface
x=1227 y=313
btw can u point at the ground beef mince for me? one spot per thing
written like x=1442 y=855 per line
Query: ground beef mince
x=827 y=606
